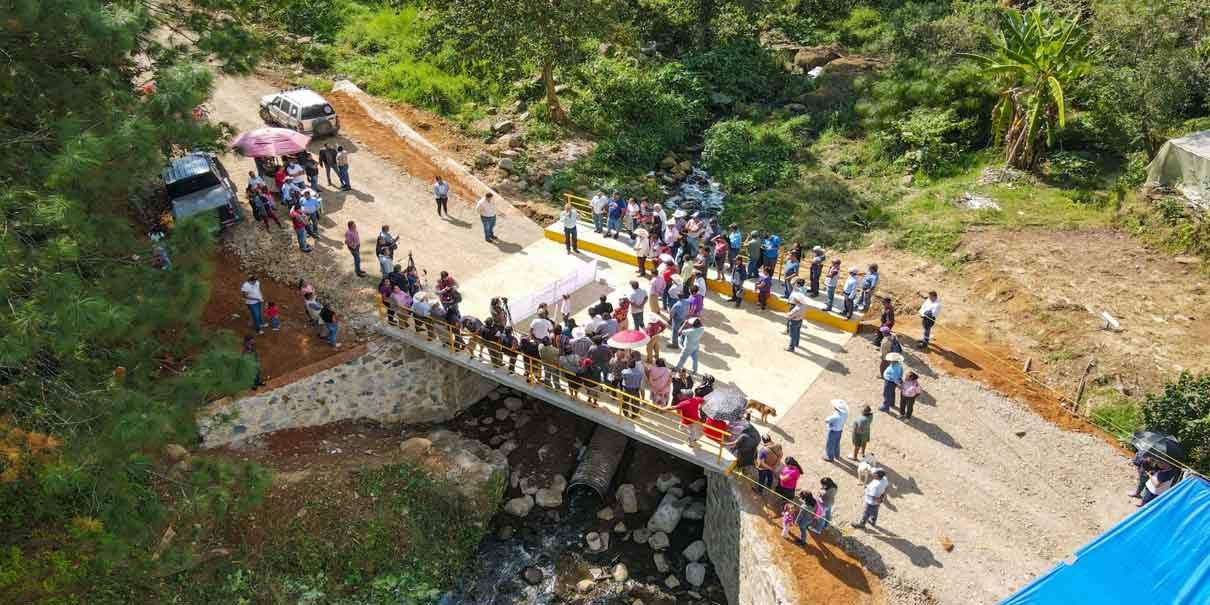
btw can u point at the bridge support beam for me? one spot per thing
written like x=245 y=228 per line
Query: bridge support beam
x=392 y=382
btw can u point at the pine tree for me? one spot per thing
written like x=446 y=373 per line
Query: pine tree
x=101 y=357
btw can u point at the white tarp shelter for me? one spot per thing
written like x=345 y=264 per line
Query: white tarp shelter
x=1184 y=164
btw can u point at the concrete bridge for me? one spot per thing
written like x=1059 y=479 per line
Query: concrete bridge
x=603 y=404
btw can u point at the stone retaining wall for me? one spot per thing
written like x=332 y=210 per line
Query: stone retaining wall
x=392 y=382
x=742 y=557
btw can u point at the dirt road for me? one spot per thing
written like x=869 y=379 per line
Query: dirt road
x=1013 y=492
x=383 y=193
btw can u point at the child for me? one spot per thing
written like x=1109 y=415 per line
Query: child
x=271 y=313
x=788 y=514
x=764 y=285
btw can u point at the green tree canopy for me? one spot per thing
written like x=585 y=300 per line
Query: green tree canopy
x=552 y=33
x=99 y=349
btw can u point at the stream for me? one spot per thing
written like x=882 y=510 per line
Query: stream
x=552 y=540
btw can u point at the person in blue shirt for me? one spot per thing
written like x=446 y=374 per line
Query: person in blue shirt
x=616 y=208
x=691 y=339
x=869 y=283
x=770 y=251
x=677 y=315
x=892 y=377
x=789 y=273
x=850 y=292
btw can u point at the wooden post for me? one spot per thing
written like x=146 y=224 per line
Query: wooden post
x=1083 y=383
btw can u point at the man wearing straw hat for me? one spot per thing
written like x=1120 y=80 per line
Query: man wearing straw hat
x=892 y=376
x=835 y=424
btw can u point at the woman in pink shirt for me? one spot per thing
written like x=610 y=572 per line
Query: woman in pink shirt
x=659 y=380
x=789 y=478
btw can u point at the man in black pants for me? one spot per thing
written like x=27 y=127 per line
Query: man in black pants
x=441 y=192
x=327 y=159
x=817 y=261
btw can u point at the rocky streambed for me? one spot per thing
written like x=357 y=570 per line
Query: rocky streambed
x=641 y=543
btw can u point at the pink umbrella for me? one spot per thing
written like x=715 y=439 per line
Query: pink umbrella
x=629 y=339
x=269 y=142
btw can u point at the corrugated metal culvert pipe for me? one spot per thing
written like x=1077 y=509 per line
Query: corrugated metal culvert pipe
x=600 y=462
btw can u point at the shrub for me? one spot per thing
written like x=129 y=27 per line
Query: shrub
x=930 y=141
x=745 y=157
x=1070 y=169
x=639 y=114
x=818 y=209
x=746 y=71
x=1183 y=411
x=321 y=19
x=917 y=84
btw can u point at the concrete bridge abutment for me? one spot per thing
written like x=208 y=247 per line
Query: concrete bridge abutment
x=391 y=382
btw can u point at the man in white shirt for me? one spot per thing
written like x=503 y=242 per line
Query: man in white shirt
x=598 y=204
x=835 y=424
x=254 y=299
x=569 y=217
x=875 y=493
x=441 y=192
x=798 y=309
x=296 y=172
x=928 y=316
x=486 y=207
x=541 y=328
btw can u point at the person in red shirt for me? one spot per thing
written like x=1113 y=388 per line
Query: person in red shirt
x=300 y=228
x=691 y=418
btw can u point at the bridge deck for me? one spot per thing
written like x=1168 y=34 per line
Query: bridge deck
x=620 y=249
x=648 y=425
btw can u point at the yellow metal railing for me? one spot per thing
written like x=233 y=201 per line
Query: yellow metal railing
x=585 y=207
x=590 y=393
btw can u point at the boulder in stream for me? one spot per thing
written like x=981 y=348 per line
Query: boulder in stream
x=695 y=574
x=627 y=499
x=519 y=507
x=667 y=516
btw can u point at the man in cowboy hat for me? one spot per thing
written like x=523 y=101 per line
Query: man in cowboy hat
x=835 y=424
x=817 y=260
x=928 y=316
x=892 y=376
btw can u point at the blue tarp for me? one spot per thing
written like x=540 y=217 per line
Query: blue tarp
x=1160 y=555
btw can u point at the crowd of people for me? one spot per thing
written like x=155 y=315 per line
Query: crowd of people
x=676 y=254
x=295 y=187
x=573 y=353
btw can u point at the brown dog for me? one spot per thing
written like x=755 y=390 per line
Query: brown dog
x=764 y=410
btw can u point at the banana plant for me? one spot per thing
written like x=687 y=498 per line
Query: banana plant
x=1036 y=55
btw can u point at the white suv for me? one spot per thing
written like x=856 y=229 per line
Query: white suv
x=301 y=109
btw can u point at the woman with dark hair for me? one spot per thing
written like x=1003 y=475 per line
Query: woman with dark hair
x=827 y=498
x=789 y=478
x=809 y=512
